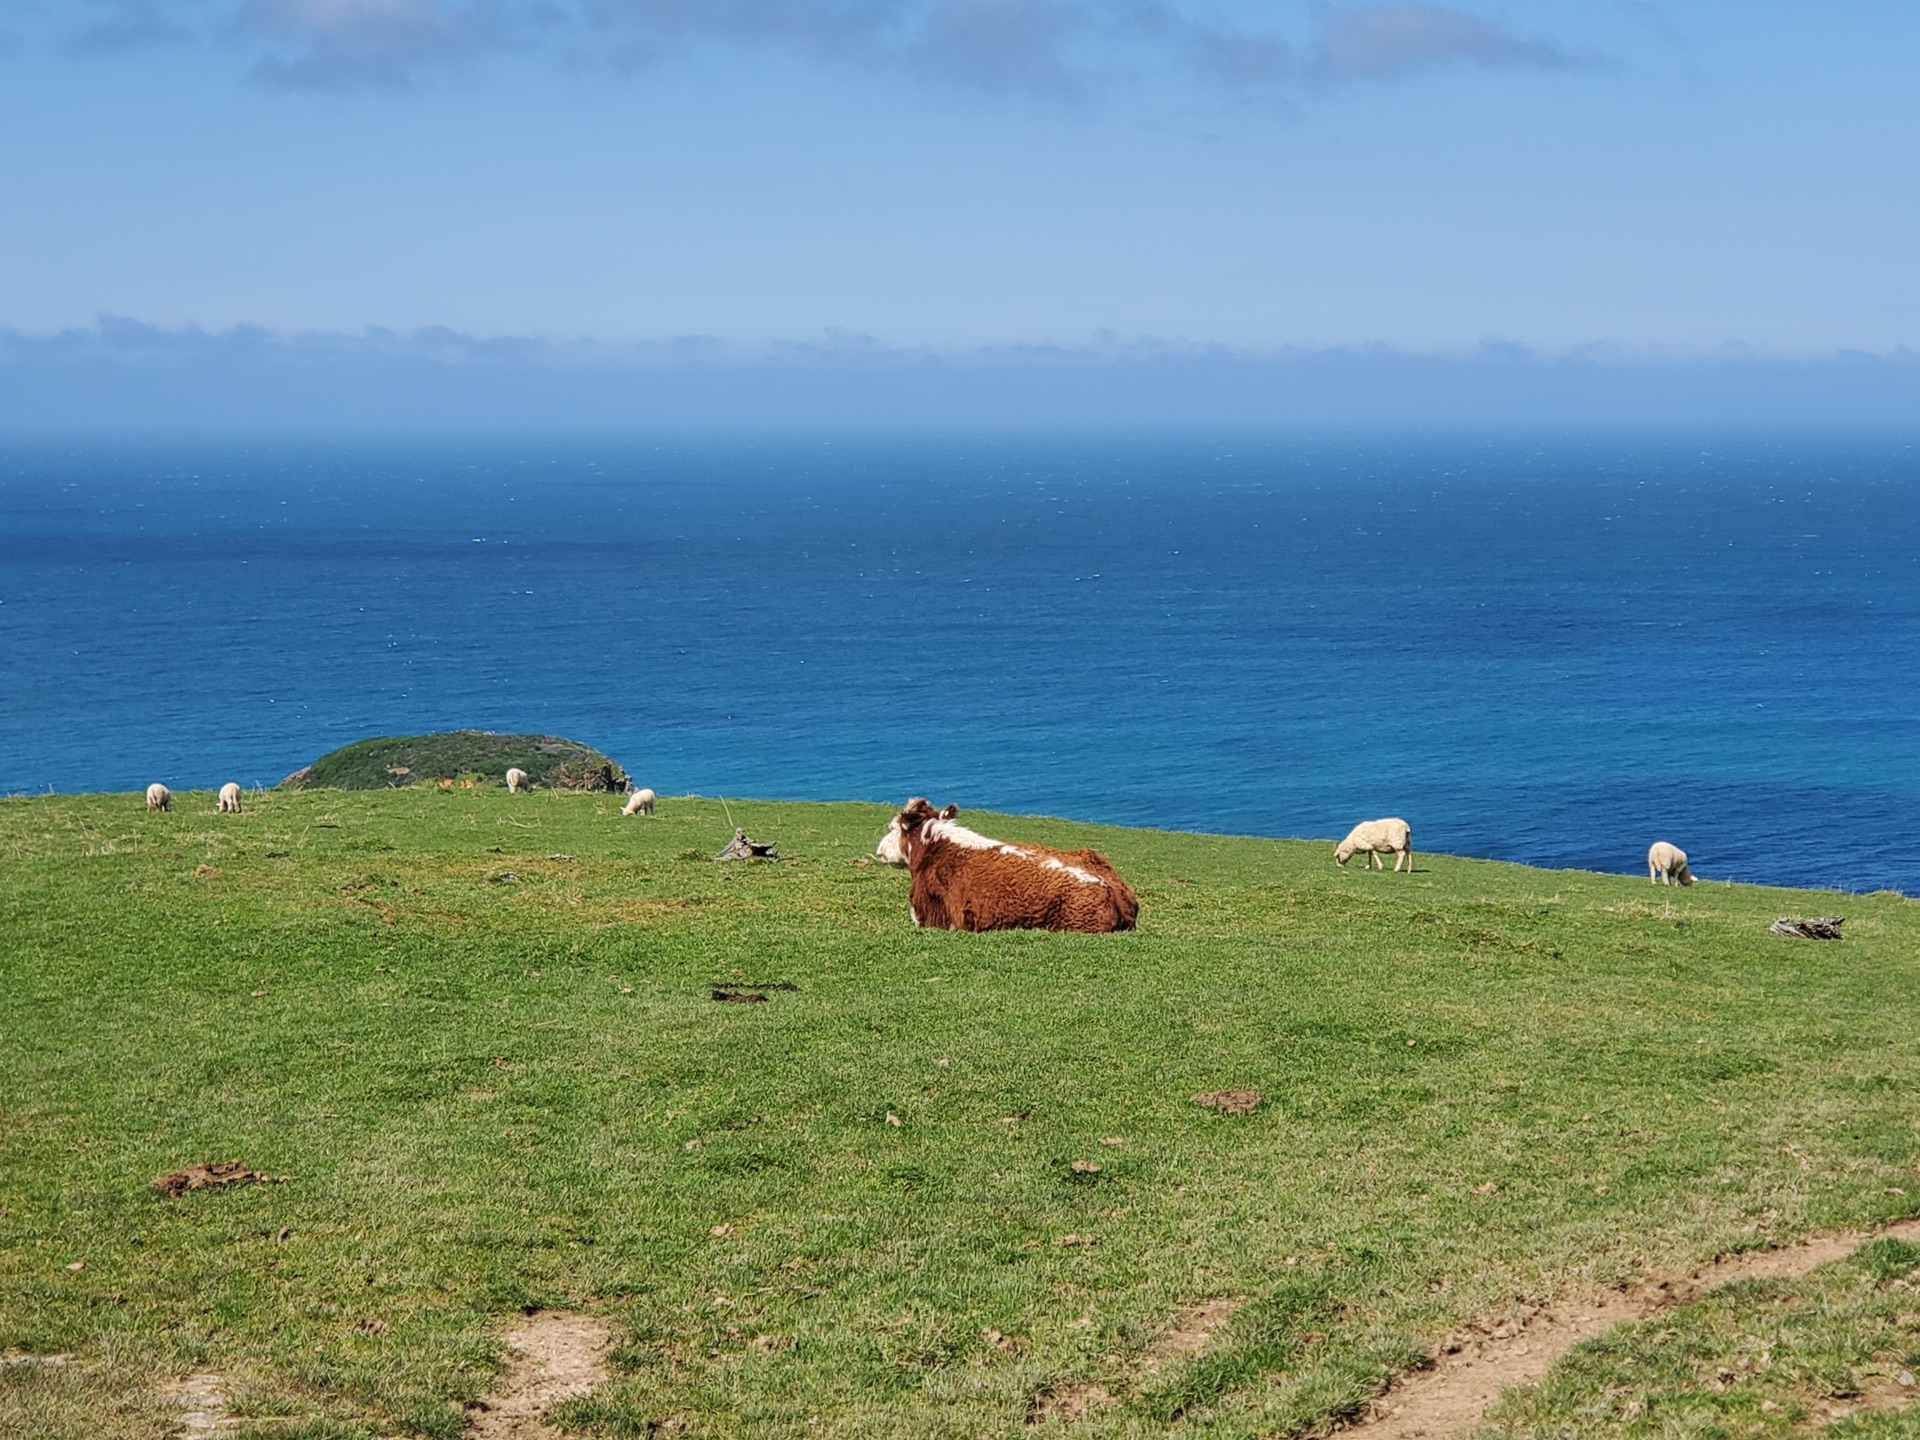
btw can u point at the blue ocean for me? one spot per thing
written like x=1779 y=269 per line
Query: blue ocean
x=1545 y=648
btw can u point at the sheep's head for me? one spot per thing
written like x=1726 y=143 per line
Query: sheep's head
x=1343 y=852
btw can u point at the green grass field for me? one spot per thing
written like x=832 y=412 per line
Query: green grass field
x=854 y=1210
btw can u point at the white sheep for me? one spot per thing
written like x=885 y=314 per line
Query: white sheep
x=640 y=803
x=1375 y=838
x=229 y=799
x=1667 y=865
x=159 y=797
x=517 y=780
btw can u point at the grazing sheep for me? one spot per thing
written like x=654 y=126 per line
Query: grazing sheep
x=640 y=803
x=517 y=780
x=1375 y=838
x=1667 y=865
x=159 y=797
x=229 y=799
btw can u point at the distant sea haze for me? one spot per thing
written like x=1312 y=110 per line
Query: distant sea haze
x=1551 y=649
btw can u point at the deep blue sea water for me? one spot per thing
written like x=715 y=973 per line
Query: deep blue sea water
x=1549 y=649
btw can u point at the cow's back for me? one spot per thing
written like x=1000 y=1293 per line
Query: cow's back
x=1019 y=887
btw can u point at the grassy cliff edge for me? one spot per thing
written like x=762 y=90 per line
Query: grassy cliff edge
x=949 y=1185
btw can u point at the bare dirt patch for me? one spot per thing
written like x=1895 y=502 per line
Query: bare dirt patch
x=1885 y=1394
x=1477 y=1363
x=554 y=1356
x=1191 y=1332
x=749 y=992
x=1068 y=1404
x=201 y=1399
x=219 y=1173
x=1230 y=1102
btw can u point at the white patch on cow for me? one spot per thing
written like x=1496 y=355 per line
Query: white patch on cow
x=1085 y=877
x=892 y=849
x=960 y=835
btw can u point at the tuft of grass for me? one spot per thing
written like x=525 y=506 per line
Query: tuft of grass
x=1268 y=1336
x=854 y=1209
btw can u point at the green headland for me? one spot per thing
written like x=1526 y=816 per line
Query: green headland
x=450 y=758
x=947 y=1185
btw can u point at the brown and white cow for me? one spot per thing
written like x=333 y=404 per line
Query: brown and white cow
x=964 y=881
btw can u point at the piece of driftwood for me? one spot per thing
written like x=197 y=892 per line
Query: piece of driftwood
x=1824 y=927
x=744 y=847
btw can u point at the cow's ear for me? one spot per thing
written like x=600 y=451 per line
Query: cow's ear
x=949 y=812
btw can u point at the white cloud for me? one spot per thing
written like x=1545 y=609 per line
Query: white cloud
x=130 y=25
x=1050 y=49
x=1383 y=41
x=359 y=44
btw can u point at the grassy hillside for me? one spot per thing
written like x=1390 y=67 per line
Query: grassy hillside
x=393 y=761
x=475 y=1033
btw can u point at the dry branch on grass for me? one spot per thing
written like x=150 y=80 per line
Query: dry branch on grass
x=1823 y=927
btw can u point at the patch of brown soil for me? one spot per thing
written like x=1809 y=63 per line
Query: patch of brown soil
x=554 y=1356
x=201 y=1399
x=1068 y=1404
x=1191 y=1332
x=1231 y=1102
x=1884 y=1394
x=220 y=1173
x=1476 y=1364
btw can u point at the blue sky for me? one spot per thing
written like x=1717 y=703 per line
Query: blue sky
x=1652 y=179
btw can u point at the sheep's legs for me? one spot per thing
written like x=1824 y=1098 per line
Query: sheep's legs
x=1406 y=855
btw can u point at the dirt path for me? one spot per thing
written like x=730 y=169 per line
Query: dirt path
x=1476 y=1364
x=555 y=1356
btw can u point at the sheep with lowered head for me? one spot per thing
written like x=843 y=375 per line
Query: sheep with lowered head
x=517 y=780
x=1667 y=865
x=229 y=799
x=159 y=797
x=1375 y=838
x=640 y=803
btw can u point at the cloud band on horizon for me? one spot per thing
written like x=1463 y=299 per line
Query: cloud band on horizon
x=1050 y=50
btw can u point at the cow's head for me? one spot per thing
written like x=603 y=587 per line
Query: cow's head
x=906 y=826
